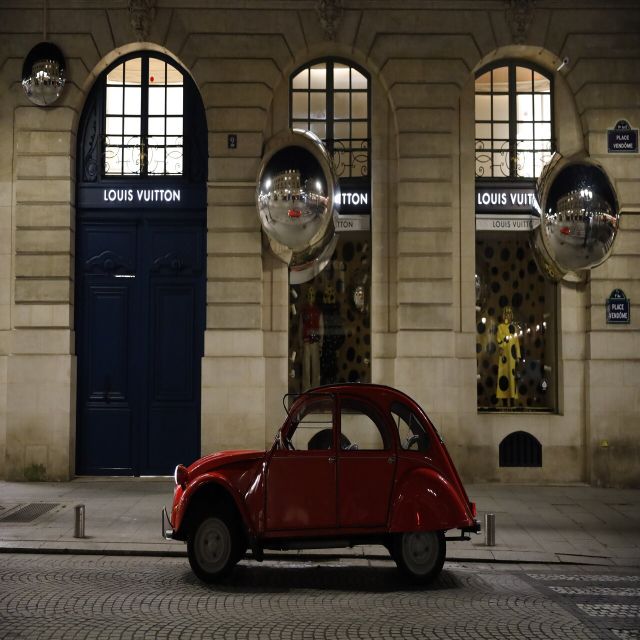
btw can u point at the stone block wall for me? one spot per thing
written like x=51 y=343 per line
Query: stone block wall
x=422 y=58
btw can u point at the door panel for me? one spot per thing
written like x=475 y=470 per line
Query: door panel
x=108 y=315
x=140 y=337
x=366 y=472
x=364 y=487
x=174 y=341
x=106 y=414
x=105 y=445
x=174 y=380
x=301 y=490
x=103 y=333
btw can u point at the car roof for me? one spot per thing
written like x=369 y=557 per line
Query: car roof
x=366 y=389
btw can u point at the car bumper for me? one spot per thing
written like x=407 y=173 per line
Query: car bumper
x=167 y=533
x=474 y=528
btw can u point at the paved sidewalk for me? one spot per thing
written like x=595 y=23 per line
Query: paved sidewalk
x=558 y=524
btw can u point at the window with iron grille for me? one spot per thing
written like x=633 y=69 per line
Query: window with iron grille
x=144 y=109
x=331 y=99
x=520 y=449
x=514 y=121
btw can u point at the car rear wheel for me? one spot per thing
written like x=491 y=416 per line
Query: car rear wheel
x=420 y=554
x=214 y=547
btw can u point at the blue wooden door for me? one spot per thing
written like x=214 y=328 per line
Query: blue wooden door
x=140 y=312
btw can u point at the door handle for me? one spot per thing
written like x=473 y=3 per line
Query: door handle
x=391 y=459
x=332 y=459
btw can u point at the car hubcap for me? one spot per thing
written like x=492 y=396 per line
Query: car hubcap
x=212 y=545
x=420 y=551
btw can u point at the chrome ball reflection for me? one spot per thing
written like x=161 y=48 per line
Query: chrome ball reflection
x=579 y=218
x=43 y=74
x=295 y=197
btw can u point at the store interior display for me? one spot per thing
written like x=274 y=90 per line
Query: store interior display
x=515 y=326
x=329 y=322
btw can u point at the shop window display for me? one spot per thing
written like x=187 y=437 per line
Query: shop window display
x=329 y=320
x=516 y=326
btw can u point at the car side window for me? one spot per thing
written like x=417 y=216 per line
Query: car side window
x=411 y=431
x=314 y=425
x=362 y=427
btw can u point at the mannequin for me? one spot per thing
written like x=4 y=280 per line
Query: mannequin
x=312 y=329
x=333 y=337
x=508 y=356
x=359 y=298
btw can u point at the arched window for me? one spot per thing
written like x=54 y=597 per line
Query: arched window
x=331 y=99
x=514 y=121
x=144 y=109
x=133 y=124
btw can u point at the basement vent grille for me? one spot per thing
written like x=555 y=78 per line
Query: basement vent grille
x=28 y=512
x=520 y=449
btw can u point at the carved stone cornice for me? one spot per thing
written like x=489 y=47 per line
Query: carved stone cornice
x=141 y=15
x=519 y=19
x=330 y=14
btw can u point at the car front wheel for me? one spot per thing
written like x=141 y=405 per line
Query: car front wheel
x=420 y=554
x=213 y=547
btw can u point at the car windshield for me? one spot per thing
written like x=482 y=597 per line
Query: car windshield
x=411 y=431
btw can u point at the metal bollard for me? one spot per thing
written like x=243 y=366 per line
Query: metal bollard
x=79 y=523
x=490 y=529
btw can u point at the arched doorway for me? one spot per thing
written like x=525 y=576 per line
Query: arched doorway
x=140 y=269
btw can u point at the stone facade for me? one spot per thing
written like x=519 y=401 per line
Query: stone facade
x=421 y=57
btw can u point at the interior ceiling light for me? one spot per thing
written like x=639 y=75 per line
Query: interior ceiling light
x=43 y=71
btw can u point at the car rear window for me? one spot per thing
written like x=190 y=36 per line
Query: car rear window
x=412 y=433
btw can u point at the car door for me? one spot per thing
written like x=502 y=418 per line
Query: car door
x=366 y=465
x=301 y=473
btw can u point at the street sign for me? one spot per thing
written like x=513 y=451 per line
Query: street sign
x=618 y=308
x=622 y=138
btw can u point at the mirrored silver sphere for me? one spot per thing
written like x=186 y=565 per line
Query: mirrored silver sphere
x=579 y=217
x=43 y=74
x=296 y=194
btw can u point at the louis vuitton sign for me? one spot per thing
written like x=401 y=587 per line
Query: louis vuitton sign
x=498 y=197
x=142 y=197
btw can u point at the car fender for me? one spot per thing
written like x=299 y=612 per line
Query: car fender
x=202 y=482
x=426 y=501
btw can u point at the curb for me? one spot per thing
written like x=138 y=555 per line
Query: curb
x=310 y=558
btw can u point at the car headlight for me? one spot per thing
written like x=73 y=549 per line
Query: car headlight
x=181 y=476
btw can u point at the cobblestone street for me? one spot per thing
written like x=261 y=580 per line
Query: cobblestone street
x=66 y=597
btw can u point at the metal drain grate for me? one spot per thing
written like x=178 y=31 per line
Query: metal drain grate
x=29 y=512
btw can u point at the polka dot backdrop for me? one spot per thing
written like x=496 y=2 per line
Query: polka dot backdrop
x=507 y=276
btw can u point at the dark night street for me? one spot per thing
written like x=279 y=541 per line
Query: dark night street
x=61 y=596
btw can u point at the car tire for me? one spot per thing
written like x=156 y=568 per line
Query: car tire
x=214 y=546
x=420 y=554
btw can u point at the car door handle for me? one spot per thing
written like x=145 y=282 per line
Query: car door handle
x=391 y=459
x=332 y=459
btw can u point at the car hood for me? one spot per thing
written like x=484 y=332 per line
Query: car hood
x=223 y=459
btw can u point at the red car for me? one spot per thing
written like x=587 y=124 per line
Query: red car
x=352 y=464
